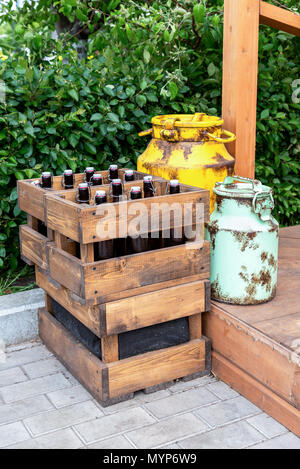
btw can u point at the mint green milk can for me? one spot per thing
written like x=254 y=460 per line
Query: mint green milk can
x=244 y=242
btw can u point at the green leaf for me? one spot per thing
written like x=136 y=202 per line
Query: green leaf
x=80 y=15
x=28 y=129
x=96 y=117
x=90 y=148
x=73 y=139
x=19 y=175
x=3 y=237
x=265 y=114
x=2 y=251
x=109 y=90
x=51 y=130
x=113 y=117
x=147 y=56
x=74 y=95
x=211 y=69
x=173 y=89
x=141 y=100
x=199 y=13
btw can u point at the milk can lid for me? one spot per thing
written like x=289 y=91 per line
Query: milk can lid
x=237 y=187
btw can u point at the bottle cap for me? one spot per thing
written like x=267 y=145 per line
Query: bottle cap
x=129 y=172
x=174 y=182
x=113 y=166
x=90 y=169
x=135 y=189
x=100 y=194
x=68 y=172
x=46 y=174
x=36 y=183
x=97 y=176
x=148 y=178
x=116 y=181
x=83 y=185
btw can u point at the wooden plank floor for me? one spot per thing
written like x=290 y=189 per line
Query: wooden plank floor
x=256 y=349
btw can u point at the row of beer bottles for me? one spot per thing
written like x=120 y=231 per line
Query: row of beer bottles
x=91 y=177
x=132 y=245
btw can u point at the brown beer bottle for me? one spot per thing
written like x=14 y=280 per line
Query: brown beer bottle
x=113 y=172
x=68 y=179
x=137 y=244
x=154 y=241
x=83 y=193
x=103 y=249
x=89 y=173
x=175 y=189
x=148 y=187
x=46 y=180
x=117 y=193
x=97 y=179
x=129 y=175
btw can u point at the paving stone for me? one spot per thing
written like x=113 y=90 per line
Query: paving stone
x=181 y=402
x=69 y=396
x=167 y=431
x=12 y=433
x=171 y=446
x=286 y=441
x=184 y=385
x=144 y=398
x=27 y=444
x=117 y=442
x=12 y=376
x=20 y=391
x=24 y=408
x=267 y=425
x=114 y=423
x=222 y=390
x=233 y=436
x=227 y=411
x=25 y=355
x=62 y=439
x=43 y=368
x=58 y=419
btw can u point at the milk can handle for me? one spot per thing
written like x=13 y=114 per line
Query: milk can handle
x=144 y=133
x=256 y=185
x=230 y=135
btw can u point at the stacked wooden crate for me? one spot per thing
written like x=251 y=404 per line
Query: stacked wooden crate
x=125 y=323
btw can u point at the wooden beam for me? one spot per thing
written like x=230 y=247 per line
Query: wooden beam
x=278 y=18
x=240 y=68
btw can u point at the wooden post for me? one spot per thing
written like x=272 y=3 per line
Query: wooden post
x=240 y=67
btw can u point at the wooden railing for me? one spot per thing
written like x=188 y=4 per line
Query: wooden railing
x=240 y=67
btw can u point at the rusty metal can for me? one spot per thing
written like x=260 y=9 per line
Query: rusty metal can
x=244 y=242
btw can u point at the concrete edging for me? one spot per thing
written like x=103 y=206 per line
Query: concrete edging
x=18 y=316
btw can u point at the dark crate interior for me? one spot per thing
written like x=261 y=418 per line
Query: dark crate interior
x=131 y=343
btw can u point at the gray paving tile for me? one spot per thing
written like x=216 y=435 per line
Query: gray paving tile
x=64 y=417
x=62 y=439
x=27 y=444
x=12 y=433
x=167 y=431
x=43 y=368
x=12 y=376
x=170 y=446
x=184 y=385
x=181 y=402
x=117 y=442
x=25 y=355
x=154 y=396
x=227 y=411
x=222 y=390
x=69 y=396
x=286 y=441
x=114 y=423
x=17 y=392
x=24 y=408
x=267 y=425
x=233 y=436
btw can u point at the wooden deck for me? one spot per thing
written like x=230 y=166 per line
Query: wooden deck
x=256 y=349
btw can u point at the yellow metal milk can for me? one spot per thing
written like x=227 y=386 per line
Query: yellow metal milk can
x=190 y=148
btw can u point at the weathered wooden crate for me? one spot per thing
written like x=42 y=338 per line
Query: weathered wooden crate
x=118 y=277
x=31 y=197
x=79 y=222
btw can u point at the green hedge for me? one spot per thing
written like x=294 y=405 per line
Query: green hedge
x=143 y=61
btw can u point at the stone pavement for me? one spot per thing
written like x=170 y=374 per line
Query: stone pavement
x=43 y=406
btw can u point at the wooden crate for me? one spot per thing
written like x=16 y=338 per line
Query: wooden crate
x=111 y=380
x=31 y=198
x=79 y=222
x=119 y=277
